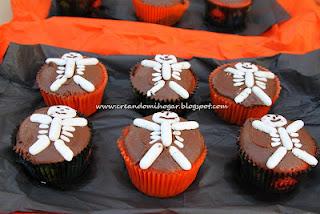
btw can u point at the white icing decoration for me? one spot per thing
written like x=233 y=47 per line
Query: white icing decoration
x=41 y=144
x=55 y=129
x=166 y=68
x=146 y=124
x=262 y=96
x=41 y=118
x=179 y=89
x=183 y=162
x=67 y=65
x=276 y=157
x=305 y=156
x=64 y=150
x=295 y=126
x=286 y=139
x=151 y=156
x=62 y=120
x=249 y=75
x=170 y=126
x=83 y=83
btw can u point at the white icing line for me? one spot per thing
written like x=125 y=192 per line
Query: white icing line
x=56 y=61
x=264 y=74
x=179 y=90
x=43 y=126
x=43 y=132
x=249 y=79
x=166 y=134
x=151 y=155
x=87 y=61
x=156 y=88
x=60 y=72
x=64 y=150
x=151 y=64
x=81 y=122
x=70 y=66
x=305 y=156
x=176 y=77
x=275 y=139
x=285 y=138
x=145 y=124
x=166 y=71
x=295 y=140
x=66 y=133
x=83 y=83
x=275 y=144
x=295 y=126
x=68 y=128
x=181 y=160
x=155 y=137
x=156 y=79
x=294 y=134
x=65 y=138
x=55 y=129
x=257 y=124
x=243 y=95
x=298 y=145
x=179 y=144
x=262 y=96
x=41 y=144
x=156 y=74
x=276 y=157
x=189 y=125
x=238 y=84
x=177 y=132
x=58 y=83
x=41 y=118
x=179 y=138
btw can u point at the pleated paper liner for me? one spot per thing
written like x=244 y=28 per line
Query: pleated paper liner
x=228 y=17
x=58 y=175
x=267 y=180
x=156 y=183
x=237 y=113
x=83 y=103
x=142 y=97
x=165 y=15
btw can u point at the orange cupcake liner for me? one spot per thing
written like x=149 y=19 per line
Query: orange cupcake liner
x=165 y=15
x=157 y=183
x=237 y=113
x=84 y=103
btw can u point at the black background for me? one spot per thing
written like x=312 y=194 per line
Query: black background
x=263 y=14
x=106 y=187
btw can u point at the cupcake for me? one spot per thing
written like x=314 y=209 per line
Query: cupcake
x=228 y=14
x=162 y=153
x=54 y=144
x=276 y=152
x=73 y=80
x=165 y=12
x=164 y=80
x=246 y=89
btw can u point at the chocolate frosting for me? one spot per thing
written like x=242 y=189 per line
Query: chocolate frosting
x=163 y=2
x=27 y=136
x=257 y=145
x=137 y=144
x=223 y=84
x=141 y=80
x=47 y=75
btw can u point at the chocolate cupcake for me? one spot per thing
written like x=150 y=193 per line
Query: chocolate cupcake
x=73 y=80
x=276 y=152
x=162 y=153
x=165 y=12
x=164 y=79
x=228 y=15
x=54 y=144
x=246 y=89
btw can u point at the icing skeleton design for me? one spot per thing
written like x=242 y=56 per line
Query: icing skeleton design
x=165 y=67
x=286 y=139
x=165 y=125
x=255 y=81
x=56 y=126
x=72 y=65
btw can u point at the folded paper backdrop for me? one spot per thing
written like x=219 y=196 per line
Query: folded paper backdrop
x=300 y=34
x=263 y=14
x=106 y=188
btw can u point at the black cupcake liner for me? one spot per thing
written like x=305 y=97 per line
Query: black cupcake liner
x=145 y=100
x=266 y=179
x=57 y=174
x=226 y=19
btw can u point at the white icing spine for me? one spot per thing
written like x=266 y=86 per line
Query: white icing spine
x=166 y=134
x=55 y=129
x=285 y=138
